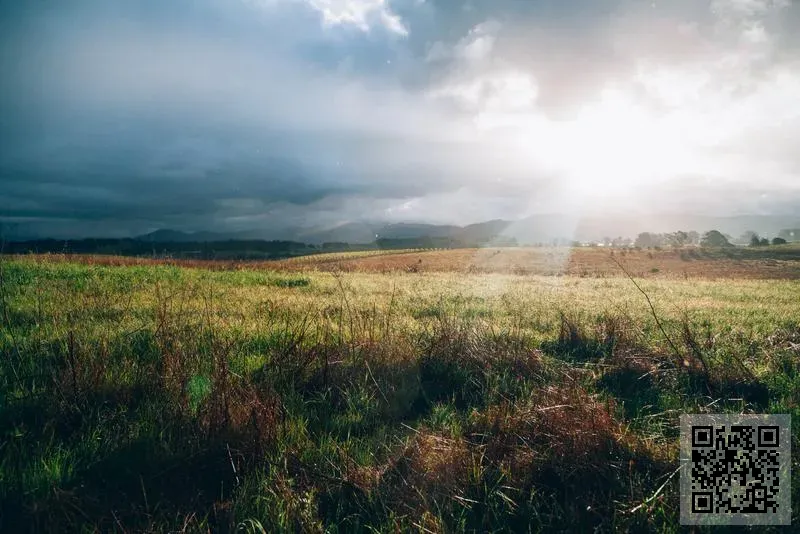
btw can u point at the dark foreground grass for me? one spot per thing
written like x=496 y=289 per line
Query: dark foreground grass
x=158 y=399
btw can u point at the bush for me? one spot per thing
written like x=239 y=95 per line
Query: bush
x=714 y=238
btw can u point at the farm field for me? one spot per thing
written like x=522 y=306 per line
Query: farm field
x=427 y=391
x=335 y=257
x=775 y=262
x=691 y=262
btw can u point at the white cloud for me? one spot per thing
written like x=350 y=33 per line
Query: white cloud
x=359 y=13
x=748 y=20
x=478 y=44
x=746 y=8
x=755 y=33
x=716 y=113
x=474 y=47
x=363 y=14
x=495 y=93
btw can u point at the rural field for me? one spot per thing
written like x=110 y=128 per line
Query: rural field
x=480 y=390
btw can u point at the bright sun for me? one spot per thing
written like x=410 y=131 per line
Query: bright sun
x=611 y=146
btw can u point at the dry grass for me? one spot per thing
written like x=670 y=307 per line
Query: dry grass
x=584 y=262
x=333 y=257
x=152 y=398
x=782 y=262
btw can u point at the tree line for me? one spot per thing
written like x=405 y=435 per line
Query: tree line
x=712 y=238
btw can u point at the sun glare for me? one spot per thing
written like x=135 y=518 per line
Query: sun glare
x=610 y=147
x=614 y=145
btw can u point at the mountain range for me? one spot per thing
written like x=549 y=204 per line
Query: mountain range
x=530 y=230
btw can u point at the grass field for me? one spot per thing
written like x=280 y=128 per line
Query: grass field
x=422 y=391
x=775 y=262
x=336 y=257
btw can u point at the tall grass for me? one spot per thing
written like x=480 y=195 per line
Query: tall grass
x=152 y=398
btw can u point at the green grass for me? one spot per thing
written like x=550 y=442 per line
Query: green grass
x=163 y=398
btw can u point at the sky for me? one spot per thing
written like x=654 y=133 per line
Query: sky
x=122 y=117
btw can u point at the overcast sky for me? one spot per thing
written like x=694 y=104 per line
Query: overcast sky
x=117 y=118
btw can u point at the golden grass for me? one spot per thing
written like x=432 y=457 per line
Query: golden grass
x=582 y=262
x=773 y=263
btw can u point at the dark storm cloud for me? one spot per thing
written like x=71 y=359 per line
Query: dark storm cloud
x=130 y=112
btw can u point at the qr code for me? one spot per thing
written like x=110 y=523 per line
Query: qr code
x=735 y=469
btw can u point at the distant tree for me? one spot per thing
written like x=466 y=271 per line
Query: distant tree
x=746 y=238
x=620 y=241
x=779 y=241
x=714 y=238
x=763 y=242
x=755 y=240
x=678 y=239
x=648 y=240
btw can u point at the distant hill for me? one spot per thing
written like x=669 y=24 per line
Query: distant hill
x=484 y=232
x=354 y=233
x=174 y=236
x=543 y=228
x=535 y=229
x=415 y=230
x=546 y=228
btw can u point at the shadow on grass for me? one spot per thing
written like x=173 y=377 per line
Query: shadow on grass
x=637 y=391
x=138 y=485
x=58 y=480
x=728 y=388
x=576 y=343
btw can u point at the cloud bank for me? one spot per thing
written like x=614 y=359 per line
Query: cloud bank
x=122 y=117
